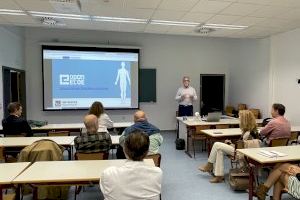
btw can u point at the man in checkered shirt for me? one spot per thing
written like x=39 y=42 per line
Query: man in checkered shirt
x=92 y=141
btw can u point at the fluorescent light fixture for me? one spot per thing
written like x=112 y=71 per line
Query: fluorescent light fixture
x=119 y=19
x=60 y=15
x=173 y=23
x=11 y=12
x=224 y=26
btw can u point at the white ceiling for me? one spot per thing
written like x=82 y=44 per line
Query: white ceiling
x=264 y=17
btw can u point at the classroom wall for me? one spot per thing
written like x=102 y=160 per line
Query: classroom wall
x=249 y=74
x=285 y=71
x=11 y=53
x=173 y=56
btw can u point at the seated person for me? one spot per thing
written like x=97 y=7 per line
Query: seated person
x=135 y=179
x=216 y=158
x=103 y=119
x=278 y=127
x=92 y=141
x=14 y=124
x=283 y=177
x=141 y=123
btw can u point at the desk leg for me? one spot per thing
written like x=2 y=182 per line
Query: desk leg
x=70 y=152
x=177 y=131
x=251 y=180
x=188 y=143
x=34 y=192
x=1 y=193
x=208 y=145
x=18 y=192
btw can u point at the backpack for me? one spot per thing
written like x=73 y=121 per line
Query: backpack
x=180 y=144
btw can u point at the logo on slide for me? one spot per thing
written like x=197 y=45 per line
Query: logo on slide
x=71 y=79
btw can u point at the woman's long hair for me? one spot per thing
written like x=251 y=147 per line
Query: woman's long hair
x=247 y=121
x=96 y=109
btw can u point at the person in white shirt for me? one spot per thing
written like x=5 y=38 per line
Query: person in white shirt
x=185 y=96
x=135 y=179
x=103 y=119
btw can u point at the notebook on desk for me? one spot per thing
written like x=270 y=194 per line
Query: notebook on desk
x=271 y=154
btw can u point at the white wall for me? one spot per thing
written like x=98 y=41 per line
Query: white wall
x=285 y=70
x=249 y=74
x=11 y=53
x=173 y=56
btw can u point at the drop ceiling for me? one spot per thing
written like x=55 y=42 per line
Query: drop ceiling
x=261 y=18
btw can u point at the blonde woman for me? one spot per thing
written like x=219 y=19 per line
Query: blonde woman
x=216 y=158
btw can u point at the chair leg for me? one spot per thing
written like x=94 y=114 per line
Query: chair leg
x=193 y=142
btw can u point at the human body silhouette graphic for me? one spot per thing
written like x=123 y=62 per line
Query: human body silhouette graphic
x=123 y=76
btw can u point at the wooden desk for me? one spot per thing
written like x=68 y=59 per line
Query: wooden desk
x=256 y=160
x=8 y=172
x=220 y=135
x=73 y=127
x=25 y=141
x=186 y=127
x=67 y=172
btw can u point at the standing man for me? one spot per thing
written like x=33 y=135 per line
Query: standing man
x=14 y=124
x=185 y=96
x=279 y=126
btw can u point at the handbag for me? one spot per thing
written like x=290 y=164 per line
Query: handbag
x=239 y=179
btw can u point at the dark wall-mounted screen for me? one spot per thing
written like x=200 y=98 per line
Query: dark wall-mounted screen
x=75 y=77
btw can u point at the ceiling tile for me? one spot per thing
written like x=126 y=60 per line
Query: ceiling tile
x=271 y=22
x=110 y=3
x=141 y=3
x=9 y=4
x=19 y=19
x=168 y=15
x=293 y=14
x=35 y=5
x=207 y=6
x=177 y=5
x=223 y=19
x=249 y=21
x=137 y=13
x=259 y=2
x=102 y=11
x=270 y=11
x=240 y=9
x=197 y=17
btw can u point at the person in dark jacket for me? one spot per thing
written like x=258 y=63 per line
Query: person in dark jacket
x=14 y=124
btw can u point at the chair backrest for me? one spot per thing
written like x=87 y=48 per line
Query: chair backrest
x=294 y=137
x=220 y=126
x=19 y=135
x=156 y=158
x=242 y=106
x=91 y=156
x=200 y=128
x=229 y=109
x=59 y=133
x=256 y=112
x=279 y=142
x=2 y=154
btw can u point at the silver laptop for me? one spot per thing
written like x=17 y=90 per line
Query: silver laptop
x=213 y=116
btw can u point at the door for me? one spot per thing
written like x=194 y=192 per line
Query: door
x=14 y=88
x=212 y=93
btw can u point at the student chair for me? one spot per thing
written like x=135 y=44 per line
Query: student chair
x=279 y=142
x=294 y=138
x=2 y=154
x=58 y=133
x=197 y=135
x=88 y=156
x=222 y=126
x=156 y=158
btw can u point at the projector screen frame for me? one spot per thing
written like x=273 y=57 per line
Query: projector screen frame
x=90 y=47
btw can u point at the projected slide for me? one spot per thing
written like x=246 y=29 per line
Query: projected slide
x=76 y=79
